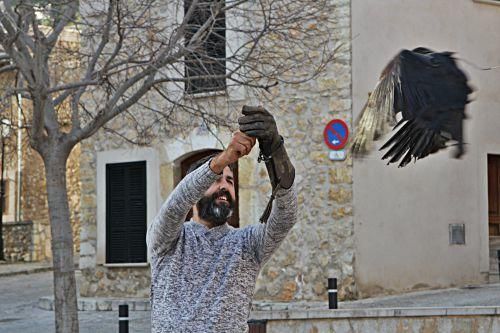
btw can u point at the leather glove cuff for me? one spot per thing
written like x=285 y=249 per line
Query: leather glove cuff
x=279 y=167
x=267 y=148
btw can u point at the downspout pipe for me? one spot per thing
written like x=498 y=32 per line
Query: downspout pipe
x=19 y=156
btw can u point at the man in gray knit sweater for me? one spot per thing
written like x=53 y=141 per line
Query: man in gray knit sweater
x=203 y=272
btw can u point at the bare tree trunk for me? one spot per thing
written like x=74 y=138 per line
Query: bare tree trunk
x=66 y=310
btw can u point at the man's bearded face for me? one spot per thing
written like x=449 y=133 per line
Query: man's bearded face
x=217 y=207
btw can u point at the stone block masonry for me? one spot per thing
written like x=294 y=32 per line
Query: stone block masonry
x=398 y=320
x=17 y=241
x=320 y=246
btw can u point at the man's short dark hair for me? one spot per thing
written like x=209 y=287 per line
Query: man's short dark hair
x=198 y=163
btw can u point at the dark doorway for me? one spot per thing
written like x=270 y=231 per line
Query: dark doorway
x=493 y=195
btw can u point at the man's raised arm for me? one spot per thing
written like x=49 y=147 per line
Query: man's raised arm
x=259 y=123
x=166 y=227
x=267 y=237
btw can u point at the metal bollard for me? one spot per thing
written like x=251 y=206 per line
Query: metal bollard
x=123 y=318
x=257 y=326
x=332 y=293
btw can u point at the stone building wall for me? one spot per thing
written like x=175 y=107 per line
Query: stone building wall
x=17 y=241
x=318 y=247
x=315 y=317
x=34 y=206
x=98 y=280
x=321 y=244
x=74 y=196
x=427 y=324
x=88 y=234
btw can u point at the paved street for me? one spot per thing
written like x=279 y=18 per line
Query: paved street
x=19 y=295
x=484 y=295
x=19 y=314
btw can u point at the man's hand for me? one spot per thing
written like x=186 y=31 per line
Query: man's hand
x=240 y=145
x=257 y=122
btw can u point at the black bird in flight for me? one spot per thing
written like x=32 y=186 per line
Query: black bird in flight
x=430 y=92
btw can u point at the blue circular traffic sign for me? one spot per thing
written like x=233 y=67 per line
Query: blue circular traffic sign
x=336 y=134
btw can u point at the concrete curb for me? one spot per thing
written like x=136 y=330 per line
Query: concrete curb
x=99 y=304
x=375 y=313
x=26 y=271
x=297 y=313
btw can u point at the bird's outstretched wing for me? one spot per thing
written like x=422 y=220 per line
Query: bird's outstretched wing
x=430 y=91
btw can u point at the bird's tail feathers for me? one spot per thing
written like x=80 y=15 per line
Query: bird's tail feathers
x=377 y=117
x=412 y=141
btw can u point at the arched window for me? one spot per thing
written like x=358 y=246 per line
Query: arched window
x=235 y=219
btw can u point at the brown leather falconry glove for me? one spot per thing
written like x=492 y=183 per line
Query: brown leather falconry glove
x=259 y=123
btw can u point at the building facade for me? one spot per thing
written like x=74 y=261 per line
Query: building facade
x=405 y=218
x=26 y=227
x=376 y=228
x=319 y=246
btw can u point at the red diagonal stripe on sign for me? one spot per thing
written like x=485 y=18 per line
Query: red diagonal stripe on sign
x=342 y=139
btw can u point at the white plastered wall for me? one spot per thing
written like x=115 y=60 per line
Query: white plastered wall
x=402 y=215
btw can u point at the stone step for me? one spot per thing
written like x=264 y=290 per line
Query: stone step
x=99 y=303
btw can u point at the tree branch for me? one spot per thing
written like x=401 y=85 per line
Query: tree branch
x=109 y=112
x=75 y=100
x=72 y=86
x=68 y=13
x=22 y=56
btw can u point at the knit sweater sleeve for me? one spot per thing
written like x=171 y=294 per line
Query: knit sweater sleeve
x=166 y=227
x=266 y=238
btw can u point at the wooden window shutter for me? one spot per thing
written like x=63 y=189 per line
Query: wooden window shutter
x=126 y=223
